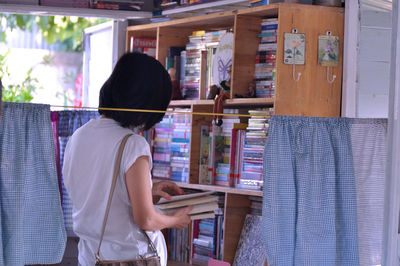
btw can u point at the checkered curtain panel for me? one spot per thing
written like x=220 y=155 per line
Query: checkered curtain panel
x=31 y=221
x=69 y=121
x=309 y=193
x=369 y=146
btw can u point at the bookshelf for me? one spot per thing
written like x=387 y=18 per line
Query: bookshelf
x=70 y=11
x=204 y=8
x=312 y=95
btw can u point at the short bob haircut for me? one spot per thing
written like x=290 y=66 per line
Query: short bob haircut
x=138 y=81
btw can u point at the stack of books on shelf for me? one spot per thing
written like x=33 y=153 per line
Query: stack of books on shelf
x=193 y=2
x=207 y=238
x=143 y=45
x=179 y=241
x=193 y=58
x=198 y=64
x=253 y=148
x=254 y=3
x=203 y=244
x=129 y=5
x=211 y=39
x=220 y=149
x=65 y=3
x=204 y=176
x=167 y=4
x=265 y=67
x=178 y=244
x=204 y=204
x=255 y=205
x=179 y=146
x=161 y=148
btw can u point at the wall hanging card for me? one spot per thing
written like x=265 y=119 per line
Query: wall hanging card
x=328 y=50
x=294 y=49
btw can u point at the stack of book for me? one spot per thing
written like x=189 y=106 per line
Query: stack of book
x=255 y=205
x=198 y=67
x=220 y=149
x=161 y=148
x=253 y=148
x=211 y=40
x=265 y=67
x=203 y=244
x=167 y=4
x=236 y=153
x=193 y=2
x=143 y=45
x=204 y=177
x=222 y=173
x=65 y=3
x=129 y=5
x=204 y=204
x=254 y=3
x=178 y=244
x=194 y=54
x=179 y=146
x=208 y=236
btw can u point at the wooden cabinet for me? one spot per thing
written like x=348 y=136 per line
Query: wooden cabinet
x=312 y=95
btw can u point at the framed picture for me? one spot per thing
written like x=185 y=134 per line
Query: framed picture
x=294 y=49
x=328 y=50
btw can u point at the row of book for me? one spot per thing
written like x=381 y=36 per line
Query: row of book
x=203 y=240
x=171 y=146
x=207 y=236
x=130 y=5
x=168 y=4
x=206 y=231
x=198 y=65
x=265 y=68
x=232 y=155
x=143 y=45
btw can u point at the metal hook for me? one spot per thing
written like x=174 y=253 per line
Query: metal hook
x=298 y=74
x=294 y=67
x=327 y=76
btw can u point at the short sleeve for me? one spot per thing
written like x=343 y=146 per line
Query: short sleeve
x=136 y=146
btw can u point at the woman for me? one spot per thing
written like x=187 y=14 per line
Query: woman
x=137 y=82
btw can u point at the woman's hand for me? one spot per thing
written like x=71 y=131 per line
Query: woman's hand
x=165 y=189
x=183 y=218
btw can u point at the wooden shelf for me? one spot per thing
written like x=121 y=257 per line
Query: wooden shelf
x=70 y=11
x=239 y=102
x=205 y=8
x=218 y=188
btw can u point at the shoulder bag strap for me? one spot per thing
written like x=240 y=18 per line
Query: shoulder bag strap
x=114 y=182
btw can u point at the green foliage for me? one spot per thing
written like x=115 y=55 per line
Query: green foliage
x=65 y=30
x=22 y=92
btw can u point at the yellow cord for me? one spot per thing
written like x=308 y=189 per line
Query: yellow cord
x=155 y=111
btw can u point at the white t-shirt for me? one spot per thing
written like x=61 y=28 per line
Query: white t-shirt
x=88 y=167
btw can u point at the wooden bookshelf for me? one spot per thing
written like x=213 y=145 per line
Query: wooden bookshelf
x=312 y=95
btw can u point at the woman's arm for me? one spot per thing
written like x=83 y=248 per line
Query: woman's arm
x=140 y=194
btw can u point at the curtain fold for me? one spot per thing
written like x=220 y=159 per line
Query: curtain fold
x=369 y=147
x=69 y=121
x=309 y=193
x=31 y=221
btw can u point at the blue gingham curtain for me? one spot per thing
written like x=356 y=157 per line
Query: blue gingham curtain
x=309 y=193
x=31 y=222
x=69 y=121
x=369 y=147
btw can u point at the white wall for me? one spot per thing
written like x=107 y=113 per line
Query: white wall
x=373 y=63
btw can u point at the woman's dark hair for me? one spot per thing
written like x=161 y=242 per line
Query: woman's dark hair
x=138 y=81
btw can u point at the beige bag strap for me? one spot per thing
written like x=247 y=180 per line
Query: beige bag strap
x=114 y=182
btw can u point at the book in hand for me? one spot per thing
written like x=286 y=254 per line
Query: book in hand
x=204 y=204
